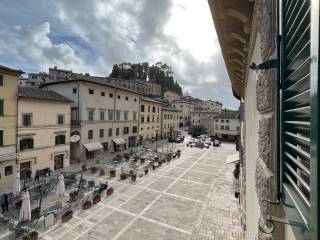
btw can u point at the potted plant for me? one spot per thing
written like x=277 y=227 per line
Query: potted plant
x=87 y=204
x=96 y=199
x=98 y=161
x=146 y=170
x=169 y=157
x=134 y=176
x=91 y=183
x=102 y=172
x=123 y=175
x=84 y=167
x=109 y=191
x=142 y=160
x=112 y=172
x=66 y=216
x=126 y=156
x=93 y=169
x=104 y=186
x=31 y=235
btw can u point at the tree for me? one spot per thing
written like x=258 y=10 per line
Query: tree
x=158 y=73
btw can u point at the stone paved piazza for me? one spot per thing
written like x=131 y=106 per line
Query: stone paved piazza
x=188 y=198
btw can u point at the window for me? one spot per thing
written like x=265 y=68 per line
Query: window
x=227 y=128
x=90 y=115
x=222 y=120
x=125 y=130
x=103 y=94
x=101 y=133
x=101 y=115
x=148 y=108
x=26 y=119
x=110 y=132
x=111 y=95
x=8 y=170
x=134 y=117
x=118 y=115
x=222 y=127
x=26 y=143
x=217 y=120
x=158 y=109
x=118 y=96
x=60 y=139
x=126 y=116
x=117 y=131
x=127 y=98
x=135 y=99
x=91 y=91
x=227 y=120
x=74 y=90
x=142 y=108
x=1 y=107
x=60 y=119
x=110 y=115
x=154 y=109
x=148 y=119
x=1 y=80
x=152 y=118
x=90 y=134
x=142 y=119
x=134 y=129
x=157 y=118
x=1 y=137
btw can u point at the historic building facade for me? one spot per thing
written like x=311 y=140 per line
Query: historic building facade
x=106 y=117
x=43 y=134
x=8 y=124
x=170 y=118
x=273 y=71
x=186 y=108
x=150 y=120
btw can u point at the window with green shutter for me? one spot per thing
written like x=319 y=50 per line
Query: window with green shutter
x=299 y=116
x=1 y=107
x=101 y=133
x=90 y=134
x=1 y=137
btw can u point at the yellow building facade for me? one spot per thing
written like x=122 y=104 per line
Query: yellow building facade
x=150 y=120
x=8 y=121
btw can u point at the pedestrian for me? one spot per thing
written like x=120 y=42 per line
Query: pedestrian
x=2 y=203
x=37 y=176
x=28 y=174
x=6 y=202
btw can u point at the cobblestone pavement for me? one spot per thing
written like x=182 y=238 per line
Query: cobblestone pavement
x=188 y=198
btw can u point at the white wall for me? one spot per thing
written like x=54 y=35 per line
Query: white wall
x=252 y=125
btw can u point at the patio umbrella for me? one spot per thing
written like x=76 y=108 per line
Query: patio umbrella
x=17 y=185
x=60 y=187
x=25 y=211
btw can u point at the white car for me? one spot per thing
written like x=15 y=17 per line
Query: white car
x=208 y=142
x=191 y=140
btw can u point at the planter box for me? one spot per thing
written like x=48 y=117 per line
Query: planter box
x=32 y=236
x=96 y=199
x=142 y=160
x=66 y=217
x=146 y=171
x=123 y=176
x=86 y=206
x=133 y=177
x=109 y=191
x=113 y=173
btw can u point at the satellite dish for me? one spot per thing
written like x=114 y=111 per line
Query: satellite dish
x=75 y=138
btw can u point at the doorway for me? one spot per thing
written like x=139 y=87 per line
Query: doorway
x=58 y=161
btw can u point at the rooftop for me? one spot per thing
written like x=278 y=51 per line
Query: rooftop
x=228 y=114
x=41 y=94
x=12 y=71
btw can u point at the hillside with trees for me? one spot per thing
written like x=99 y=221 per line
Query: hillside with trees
x=158 y=73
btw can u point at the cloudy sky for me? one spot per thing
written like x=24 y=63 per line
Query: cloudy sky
x=90 y=36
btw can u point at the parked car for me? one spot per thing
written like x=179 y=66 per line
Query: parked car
x=208 y=142
x=216 y=143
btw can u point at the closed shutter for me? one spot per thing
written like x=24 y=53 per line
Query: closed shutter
x=296 y=107
x=1 y=137
x=1 y=107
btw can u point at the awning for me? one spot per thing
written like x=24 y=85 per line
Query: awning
x=93 y=146
x=233 y=158
x=119 y=141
